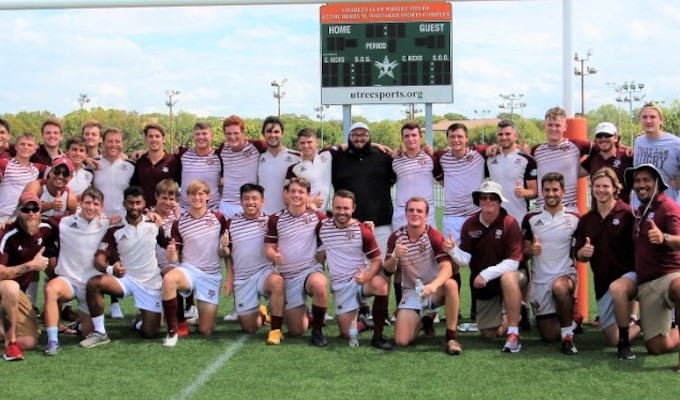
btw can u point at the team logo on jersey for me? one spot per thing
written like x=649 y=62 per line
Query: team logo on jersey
x=124 y=237
x=303 y=169
x=499 y=233
x=616 y=221
x=289 y=159
x=495 y=161
x=533 y=172
x=124 y=167
x=149 y=231
x=539 y=223
x=165 y=170
x=210 y=161
x=469 y=158
x=247 y=153
x=351 y=235
x=323 y=158
x=422 y=162
x=103 y=246
x=308 y=218
x=40 y=241
x=518 y=161
x=20 y=248
x=422 y=247
x=616 y=164
x=650 y=216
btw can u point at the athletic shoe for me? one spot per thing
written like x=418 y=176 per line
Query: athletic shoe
x=368 y=324
x=453 y=348
x=525 y=320
x=568 y=346
x=183 y=329
x=52 y=348
x=578 y=321
x=232 y=316
x=266 y=319
x=512 y=344
x=192 y=312
x=436 y=319
x=393 y=318
x=274 y=337
x=94 y=339
x=625 y=353
x=116 y=311
x=137 y=322
x=170 y=339
x=13 y=352
x=328 y=317
x=318 y=339
x=381 y=343
x=464 y=327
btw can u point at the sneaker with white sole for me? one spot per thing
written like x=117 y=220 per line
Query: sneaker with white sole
x=116 y=311
x=231 y=317
x=170 y=340
x=192 y=312
x=94 y=339
x=512 y=344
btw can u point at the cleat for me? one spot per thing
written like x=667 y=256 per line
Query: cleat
x=116 y=311
x=453 y=348
x=368 y=324
x=381 y=343
x=264 y=313
x=94 y=339
x=568 y=346
x=192 y=312
x=52 y=348
x=274 y=337
x=183 y=329
x=170 y=340
x=625 y=353
x=13 y=352
x=231 y=317
x=318 y=339
x=512 y=344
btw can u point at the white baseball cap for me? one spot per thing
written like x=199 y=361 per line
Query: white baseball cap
x=606 y=127
x=359 y=125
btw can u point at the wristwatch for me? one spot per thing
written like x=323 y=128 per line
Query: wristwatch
x=665 y=238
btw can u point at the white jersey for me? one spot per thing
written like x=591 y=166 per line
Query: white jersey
x=198 y=240
x=112 y=179
x=271 y=174
x=14 y=178
x=207 y=168
x=318 y=173
x=81 y=180
x=240 y=167
x=415 y=177
x=422 y=256
x=565 y=159
x=78 y=243
x=555 y=234
x=296 y=240
x=461 y=177
x=662 y=152
x=347 y=249
x=247 y=245
x=508 y=170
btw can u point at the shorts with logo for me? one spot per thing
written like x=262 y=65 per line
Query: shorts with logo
x=542 y=300
x=145 y=298
x=206 y=287
x=296 y=295
x=247 y=292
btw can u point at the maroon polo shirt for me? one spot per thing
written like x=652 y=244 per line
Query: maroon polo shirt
x=653 y=261
x=18 y=247
x=612 y=239
x=618 y=162
x=489 y=246
x=147 y=175
x=42 y=157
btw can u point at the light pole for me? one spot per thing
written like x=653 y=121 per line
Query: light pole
x=512 y=101
x=320 y=114
x=485 y=114
x=411 y=111
x=278 y=94
x=583 y=72
x=170 y=102
x=83 y=99
x=630 y=92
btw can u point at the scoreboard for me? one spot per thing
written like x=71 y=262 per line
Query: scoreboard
x=397 y=52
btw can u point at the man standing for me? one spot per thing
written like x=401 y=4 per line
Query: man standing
x=610 y=155
x=127 y=262
x=251 y=274
x=196 y=241
x=5 y=146
x=291 y=244
x=155 y=164
x=91 y=132
x=76 y=151
x=16 y=172
x=419 y=249
x=51 y=136
x=355 y=268
x=491 y=244
x=23 y=255
x=114 y=173
x=547 y=242
x=604 y=237
x=656 y=236
x=273 y=164
x=201 y=162
x=314 y=166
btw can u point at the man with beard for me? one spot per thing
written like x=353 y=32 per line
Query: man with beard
x=656 y=236
x=127 y=260
x=273 y=165
x=23 y=254
x=54 y=193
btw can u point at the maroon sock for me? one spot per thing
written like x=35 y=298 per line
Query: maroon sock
x=277 y=322
x=451 y=334
x=180 y=308
x=170 y=310
x=318 y=315
x=397 y=293
x=379 y=314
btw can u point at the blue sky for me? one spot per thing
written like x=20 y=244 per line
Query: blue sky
x=223 y=59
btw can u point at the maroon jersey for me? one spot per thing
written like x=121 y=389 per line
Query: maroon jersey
x=18 y=247
x=489 y=246
x=653 y=261
x=612 y=238
x=147 y=175
x=618 y=162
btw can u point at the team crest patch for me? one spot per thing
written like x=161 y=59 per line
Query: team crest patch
x=616 y=221
x=650 y=216
x=165 y=170
x=499 y=233
x=616 y=164
x=103 y=246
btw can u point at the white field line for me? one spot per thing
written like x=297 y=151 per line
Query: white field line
x=208 y=372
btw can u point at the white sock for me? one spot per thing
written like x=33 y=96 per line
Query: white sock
x=513 y=330
x=567 y=331
x=98 y=323
x=32 y=292
x=52 y=333
x=138 y=325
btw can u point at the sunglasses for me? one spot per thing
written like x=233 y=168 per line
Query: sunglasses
x=61 y=171
x=603 y=136
x=360 y=135
x=28 y=210
x=487 y=197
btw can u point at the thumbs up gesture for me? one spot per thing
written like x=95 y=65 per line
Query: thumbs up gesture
x=400 y=249
x=58 y=203
x=224 y=243
x=654 y=233
x=536 y=246
x=587 y=250
x=39 y=262
x=449 y=243
x=171 y=251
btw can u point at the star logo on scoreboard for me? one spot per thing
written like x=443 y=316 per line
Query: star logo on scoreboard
x=386 y=67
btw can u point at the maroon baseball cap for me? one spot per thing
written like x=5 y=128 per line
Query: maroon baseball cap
x=63 y=161
x=26 y=198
